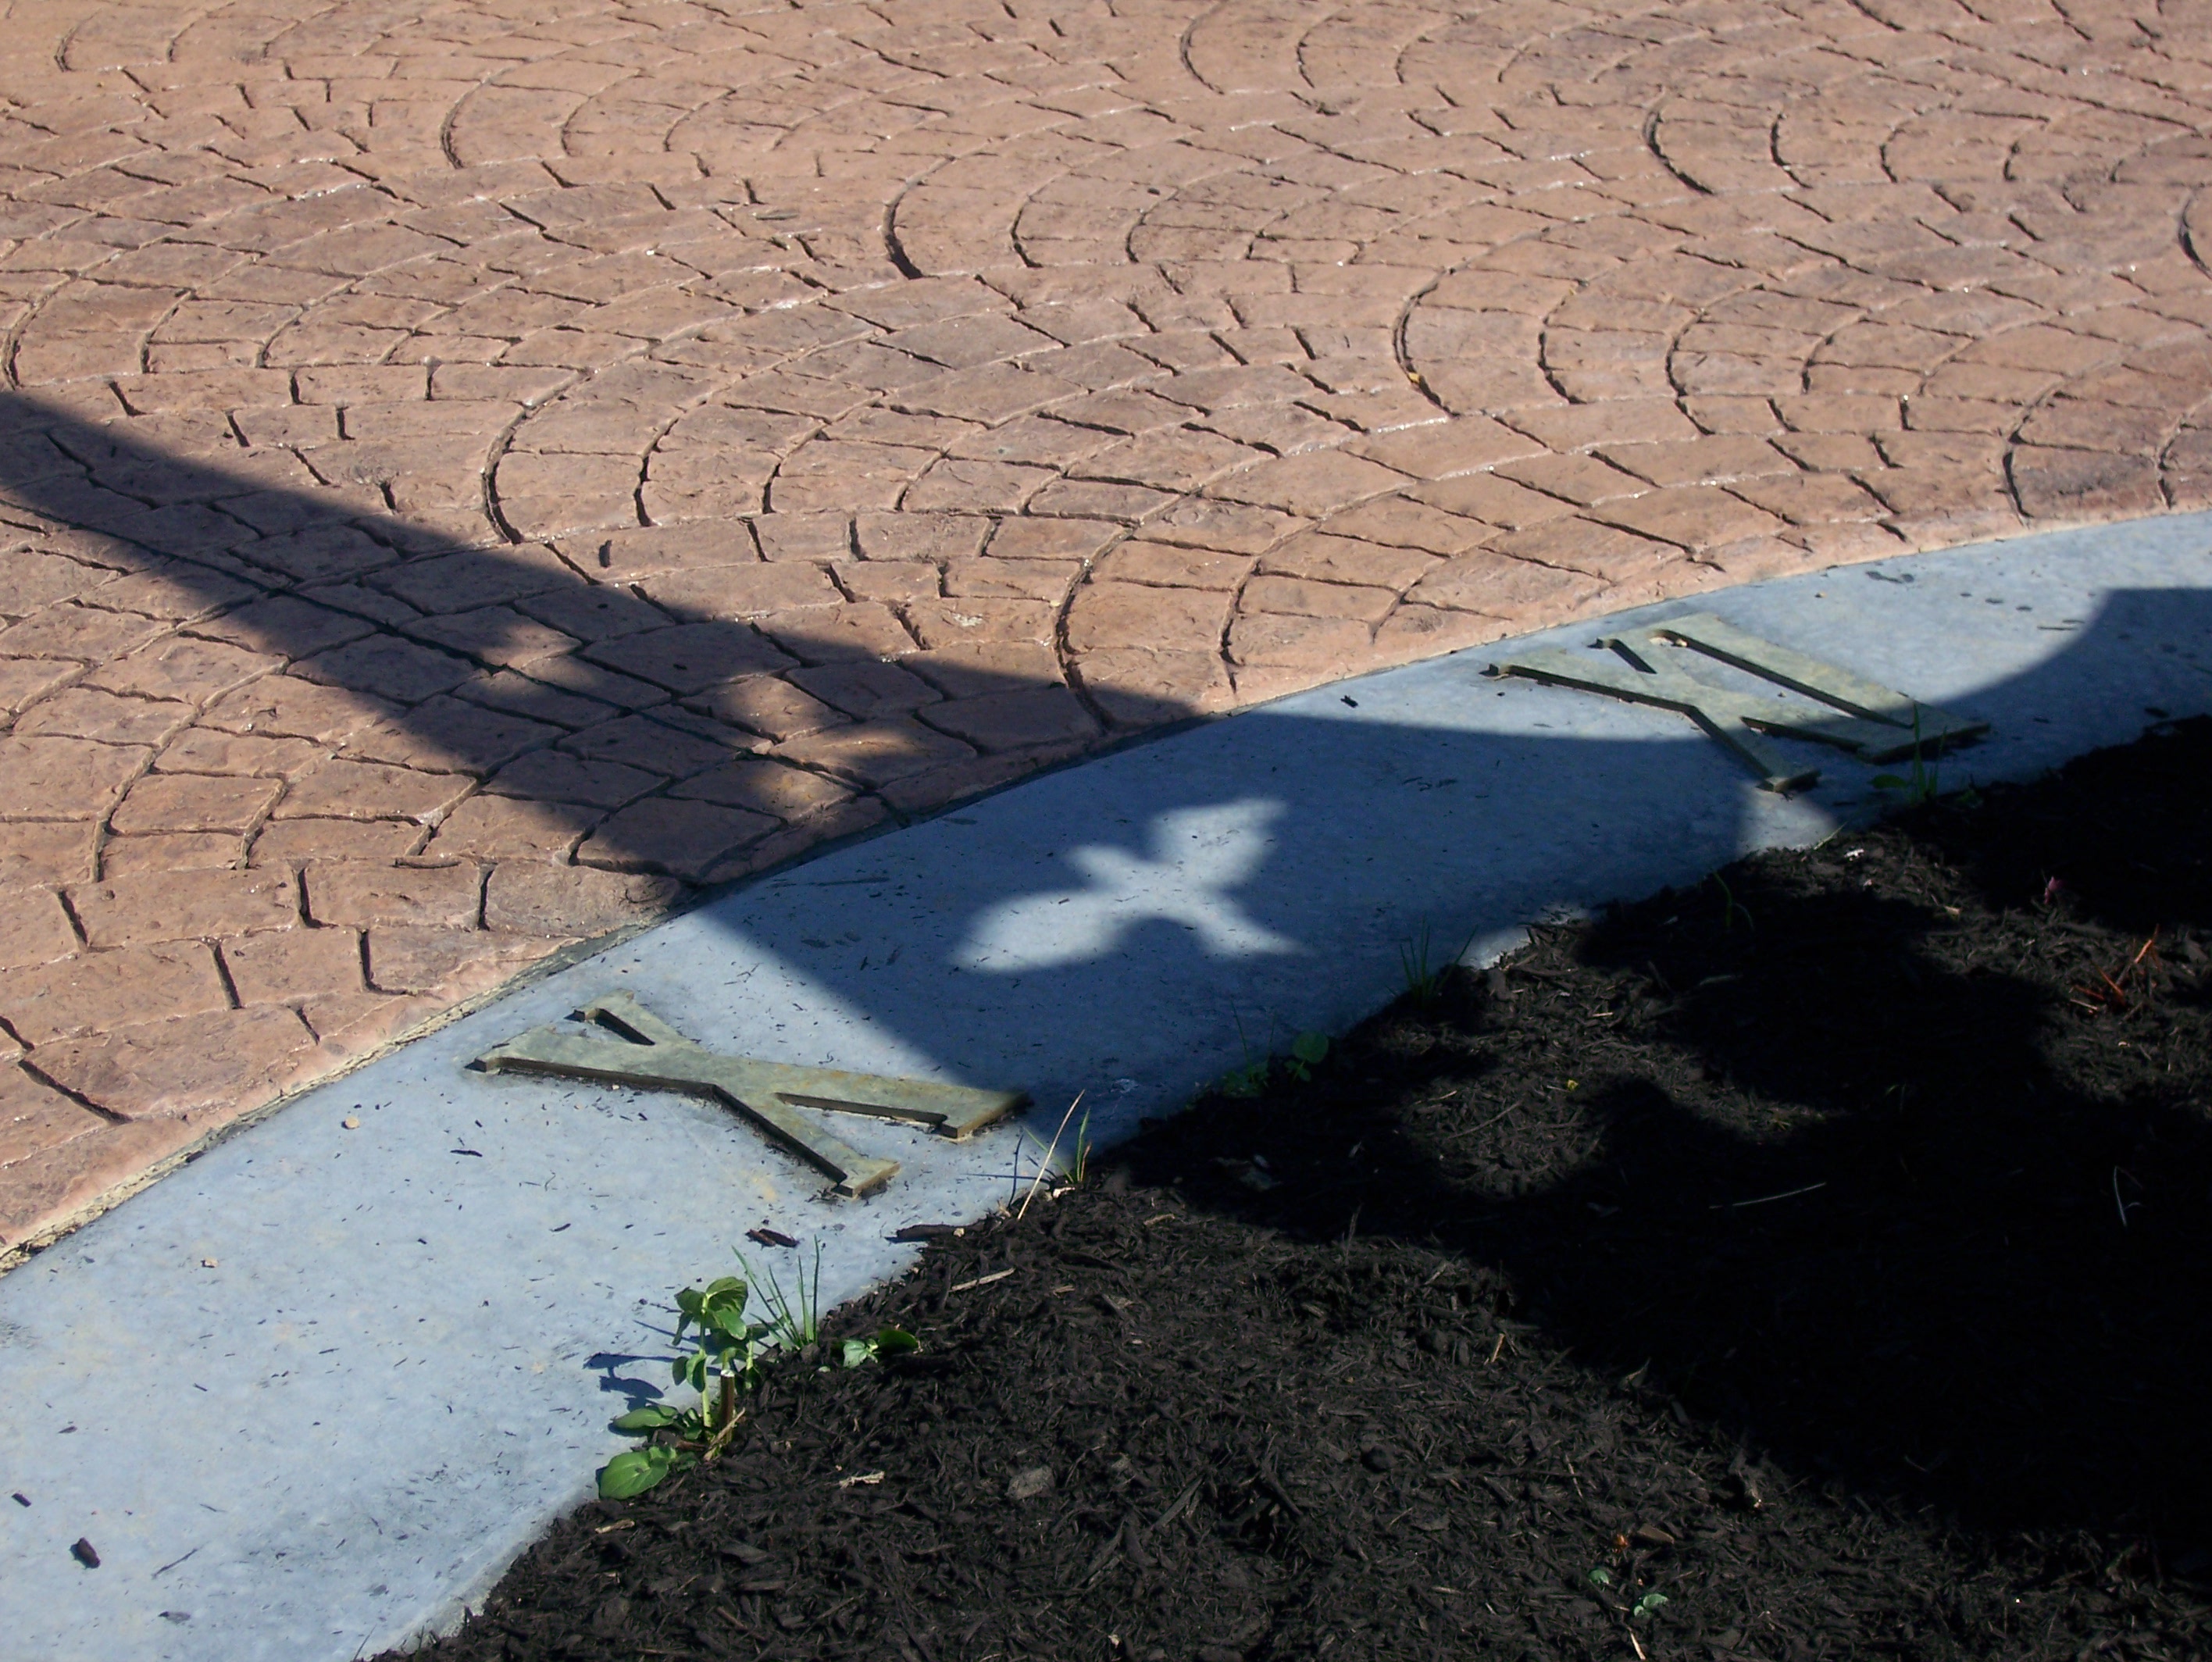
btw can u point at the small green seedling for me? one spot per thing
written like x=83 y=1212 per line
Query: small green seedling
x=1732 y=908
x=1424 y=980
x=1649 y=1604
x=793 y=1322
x=1308 y=1052
x=724 y=1350
x=1600 y=1577
x=722 y=1357
x=1078 y=1160
x=1920 y=785
x=1251 y=1079
x=884 y=1341
x=1073 y=1171
x=1248 y=1081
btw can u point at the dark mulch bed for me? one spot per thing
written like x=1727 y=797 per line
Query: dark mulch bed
x=1827 y=1248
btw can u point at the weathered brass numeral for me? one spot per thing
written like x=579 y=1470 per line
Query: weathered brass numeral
x=624 y=1043
x=1655 y=666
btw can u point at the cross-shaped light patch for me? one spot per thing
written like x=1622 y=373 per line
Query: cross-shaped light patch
x=1199 y=855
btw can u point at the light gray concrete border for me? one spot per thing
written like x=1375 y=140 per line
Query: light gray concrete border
x=308 y=1396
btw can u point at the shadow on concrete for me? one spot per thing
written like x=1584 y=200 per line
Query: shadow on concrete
x=1262 y=877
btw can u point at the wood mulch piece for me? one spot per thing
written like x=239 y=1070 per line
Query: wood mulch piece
x=1811 y=1263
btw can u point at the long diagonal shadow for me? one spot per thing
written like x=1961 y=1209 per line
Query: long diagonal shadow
x=306 y=775
x=302 y=774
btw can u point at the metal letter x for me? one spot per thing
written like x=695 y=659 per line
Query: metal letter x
x=628 y=1044
x=1860 y=716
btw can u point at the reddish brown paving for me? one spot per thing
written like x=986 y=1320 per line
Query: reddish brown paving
x=511 y=464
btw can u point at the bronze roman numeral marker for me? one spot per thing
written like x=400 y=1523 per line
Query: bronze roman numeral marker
x=624 y=1043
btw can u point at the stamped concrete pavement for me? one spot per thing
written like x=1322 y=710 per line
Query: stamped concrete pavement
x=472 y=472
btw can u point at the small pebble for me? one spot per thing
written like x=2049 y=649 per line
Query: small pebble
x=350 y=1123
x=207 y=1264
x=84 y=1555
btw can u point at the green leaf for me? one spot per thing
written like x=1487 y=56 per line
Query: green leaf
x=651 y=1417
x=1310 y=1048
x=896 y=1342
x=1246 y=1082
x=1600 y=1577
x=632 y=1473
x=676 y=1369
x=1647 y=1604
x=690 y=1302
x=858 y=1353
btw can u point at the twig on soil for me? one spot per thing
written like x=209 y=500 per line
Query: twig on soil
x=980 y=1281
x=2114 y=993
x=1787 y=1194
x=1462 y=1135
x=1181 y=1503
x=1274 y=1490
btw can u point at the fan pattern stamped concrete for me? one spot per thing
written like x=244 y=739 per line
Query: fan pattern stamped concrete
x=473 y=471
